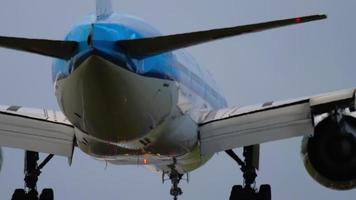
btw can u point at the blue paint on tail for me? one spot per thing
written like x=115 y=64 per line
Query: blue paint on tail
x=103 y=9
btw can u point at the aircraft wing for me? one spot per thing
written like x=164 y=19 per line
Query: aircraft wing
x=237 y=127
x=38 y=130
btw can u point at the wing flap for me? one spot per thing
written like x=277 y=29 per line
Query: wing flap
x=244 y=129
x=237 y=127
x=36 y=130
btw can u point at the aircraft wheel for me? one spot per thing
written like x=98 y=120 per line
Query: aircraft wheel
x=19 y=194
x=32 y=195
x=47 y=194
x=236 y=192
x=265 y=192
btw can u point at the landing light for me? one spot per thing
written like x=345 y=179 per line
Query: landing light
x=145 y=161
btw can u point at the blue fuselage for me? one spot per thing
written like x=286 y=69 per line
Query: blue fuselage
x=99 y=38
x=123 y=106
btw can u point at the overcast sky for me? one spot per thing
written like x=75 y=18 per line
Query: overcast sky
x=280 y=64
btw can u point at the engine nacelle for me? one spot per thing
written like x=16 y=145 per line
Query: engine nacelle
x=330 y=154
x=0 y=158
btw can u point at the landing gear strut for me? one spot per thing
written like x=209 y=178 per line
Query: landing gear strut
x=175 y=178
x=32 y=171
x=175 y=190
x=248 y=191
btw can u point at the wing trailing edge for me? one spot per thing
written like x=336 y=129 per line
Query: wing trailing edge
x=51 y=48
x=39 y=130
x=140 y=48
x=236 y=127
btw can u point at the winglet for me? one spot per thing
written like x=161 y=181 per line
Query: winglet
x=103 y=9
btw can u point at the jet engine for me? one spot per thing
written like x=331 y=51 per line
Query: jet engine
x=0 y=158
x=330 y=154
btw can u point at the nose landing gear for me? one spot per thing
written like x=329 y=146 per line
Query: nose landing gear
x=175 y=178
x=248 y=191
x=175 y=190
x=32 y=172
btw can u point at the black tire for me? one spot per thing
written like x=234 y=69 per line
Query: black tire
x=47 y=194
x=265 y=192
x=19 y=194
x=236 y=192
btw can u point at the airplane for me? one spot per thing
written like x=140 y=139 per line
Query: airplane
x=1 y=159
x=130 y=96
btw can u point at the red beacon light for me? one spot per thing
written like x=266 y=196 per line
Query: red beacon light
x=298 y=19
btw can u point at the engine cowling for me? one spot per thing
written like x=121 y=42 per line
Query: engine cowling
x=0 y=158
x=330 y=154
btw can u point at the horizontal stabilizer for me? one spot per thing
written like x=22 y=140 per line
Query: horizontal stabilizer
x=139 y=48
x=52 y=48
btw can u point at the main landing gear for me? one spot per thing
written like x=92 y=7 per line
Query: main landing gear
x=248 y=191
x=32 y=172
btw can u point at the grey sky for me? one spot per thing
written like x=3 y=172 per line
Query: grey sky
x=279 y=64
